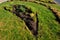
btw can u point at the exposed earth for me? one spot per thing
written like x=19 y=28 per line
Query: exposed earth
x=29 y=20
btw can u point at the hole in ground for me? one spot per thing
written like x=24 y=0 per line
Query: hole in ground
x=24 y=13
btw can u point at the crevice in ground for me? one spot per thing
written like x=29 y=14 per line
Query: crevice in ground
x=54 y=11
x=24 y=13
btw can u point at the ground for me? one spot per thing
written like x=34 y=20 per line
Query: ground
x=14 y=28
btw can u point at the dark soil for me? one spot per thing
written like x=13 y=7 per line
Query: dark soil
x=25 y=16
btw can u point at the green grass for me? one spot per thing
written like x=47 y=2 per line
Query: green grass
x=56 y=6
x=13 y=28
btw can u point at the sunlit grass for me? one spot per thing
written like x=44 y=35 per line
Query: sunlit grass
x=13 y=28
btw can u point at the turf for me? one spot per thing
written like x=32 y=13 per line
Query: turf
x=13 y=28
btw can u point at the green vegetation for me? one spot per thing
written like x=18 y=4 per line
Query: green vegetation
x=34 y=0
x=13 y=28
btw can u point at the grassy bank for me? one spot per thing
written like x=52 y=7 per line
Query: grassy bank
x=13 y=28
